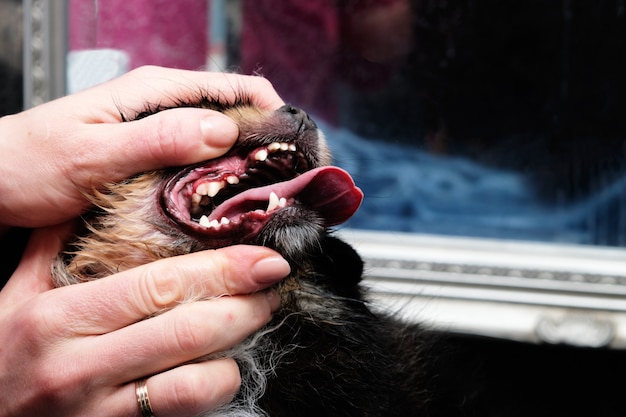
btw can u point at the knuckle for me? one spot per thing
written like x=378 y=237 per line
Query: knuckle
x=165 y=140
x=221 y=268
x=158 y=289
x=188 y=394
x=191 y=334
x=200 y=390
x=40 y=320
x=58 y=380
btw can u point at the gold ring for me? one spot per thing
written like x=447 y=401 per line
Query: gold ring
x=141 y=390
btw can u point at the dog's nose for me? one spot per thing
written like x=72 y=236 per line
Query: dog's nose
x=299 y=116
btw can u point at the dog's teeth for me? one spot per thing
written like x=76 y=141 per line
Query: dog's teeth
x=202 y=189
x=273 y=202
x=215 y=187
x=282 y=202
x=195 y=199
x=281 y=146
x=210 y=188
x=261 y=155
x=212 y=224
x=232 y=179
x=273 y=147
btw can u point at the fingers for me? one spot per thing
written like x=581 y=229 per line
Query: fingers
x=88 y=342
x=91 y=372
x=194 y=388
x=167 y=87
x=67 y=146
x=184 y=391
x=194 y=330
x=33 y=273
x=132 y=295
x=170 y=138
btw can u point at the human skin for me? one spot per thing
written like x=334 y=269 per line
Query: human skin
x=50 y=154
x=77 y=350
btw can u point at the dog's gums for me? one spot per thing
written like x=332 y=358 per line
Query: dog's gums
x=237 y=194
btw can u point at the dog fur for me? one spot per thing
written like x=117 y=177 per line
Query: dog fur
x=326 y=351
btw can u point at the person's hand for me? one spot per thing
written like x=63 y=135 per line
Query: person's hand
x=52 y=153
x=75 y=351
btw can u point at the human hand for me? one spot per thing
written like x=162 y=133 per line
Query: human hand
x=51 y=154
x=76 y=350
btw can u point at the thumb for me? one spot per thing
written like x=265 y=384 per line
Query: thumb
x=173 y=137
x=33 y=274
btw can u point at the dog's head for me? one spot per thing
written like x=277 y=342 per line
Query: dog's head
x=274 y=188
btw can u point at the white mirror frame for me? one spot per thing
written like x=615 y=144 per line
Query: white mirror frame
x=527 y=291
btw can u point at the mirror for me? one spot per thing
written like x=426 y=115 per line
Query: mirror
x=489 y=138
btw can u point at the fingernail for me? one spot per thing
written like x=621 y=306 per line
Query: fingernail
x=270 y=270
x=218 y=130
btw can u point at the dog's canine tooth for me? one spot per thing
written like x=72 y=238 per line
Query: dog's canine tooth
x=204 y=221
x=273 y=203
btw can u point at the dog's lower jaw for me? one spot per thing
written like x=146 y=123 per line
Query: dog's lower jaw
x=325 y=352
x=336 y=366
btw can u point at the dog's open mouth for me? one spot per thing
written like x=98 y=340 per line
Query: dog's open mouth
x=236 y=195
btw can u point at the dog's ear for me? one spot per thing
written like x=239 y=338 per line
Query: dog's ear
x=340 y=266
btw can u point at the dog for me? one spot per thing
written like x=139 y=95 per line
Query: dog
x=327 y=351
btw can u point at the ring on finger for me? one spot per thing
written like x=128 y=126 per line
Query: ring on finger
x=141 y=390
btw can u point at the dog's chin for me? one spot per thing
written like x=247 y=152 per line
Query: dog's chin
x=295 y=232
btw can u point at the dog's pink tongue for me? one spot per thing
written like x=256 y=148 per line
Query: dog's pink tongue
x=328 y=190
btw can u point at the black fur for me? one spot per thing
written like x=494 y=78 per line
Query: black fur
x=353 y=361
